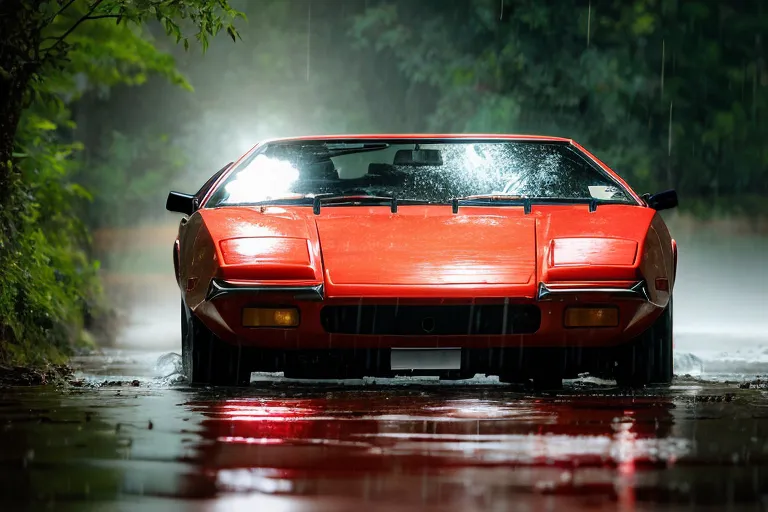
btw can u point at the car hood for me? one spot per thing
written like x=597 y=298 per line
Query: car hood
x=427 y=250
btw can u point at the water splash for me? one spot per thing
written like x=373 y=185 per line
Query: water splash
x=169 y=370
x=687 y=364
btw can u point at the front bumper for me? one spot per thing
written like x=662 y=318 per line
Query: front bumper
x=225 y=300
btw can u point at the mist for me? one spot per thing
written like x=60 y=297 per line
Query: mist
x=720 y=297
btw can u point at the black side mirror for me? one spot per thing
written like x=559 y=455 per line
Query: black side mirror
x=662 y=200
x=180 y=203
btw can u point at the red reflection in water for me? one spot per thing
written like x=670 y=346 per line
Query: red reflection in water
x=358 y=444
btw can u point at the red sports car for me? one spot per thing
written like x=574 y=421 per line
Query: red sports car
x=380 y=255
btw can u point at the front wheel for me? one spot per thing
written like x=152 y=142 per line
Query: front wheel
x=208 y=360
x=648 y=359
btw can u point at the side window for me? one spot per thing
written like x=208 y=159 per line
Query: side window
x=208 y=184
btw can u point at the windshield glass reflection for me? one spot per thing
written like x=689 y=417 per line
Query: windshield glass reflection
x=432 y=172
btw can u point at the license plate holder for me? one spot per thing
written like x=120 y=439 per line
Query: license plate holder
x=425 y=359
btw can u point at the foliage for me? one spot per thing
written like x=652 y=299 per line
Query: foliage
x=129 y=176
x=50 y=289
x=286 y=78
x=289 y=76
x=670 y=93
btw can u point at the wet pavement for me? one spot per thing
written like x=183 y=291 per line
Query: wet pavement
x=130 y=435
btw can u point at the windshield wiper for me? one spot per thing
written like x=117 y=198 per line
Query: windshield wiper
x=359 y=199
x=492 y=200
x=524 y=201
x=317 y=200
x=272 y=202
x=591 y=202
x=349 y=148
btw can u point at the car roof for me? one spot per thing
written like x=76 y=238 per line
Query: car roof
x=425 y=136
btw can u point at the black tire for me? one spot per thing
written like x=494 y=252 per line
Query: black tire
x=547 y=382
x=208 y=360
x=335 y=364
x=648 y=359
x=537 y=377
x=536 y=369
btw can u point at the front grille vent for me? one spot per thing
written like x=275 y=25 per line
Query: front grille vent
x=431 y=320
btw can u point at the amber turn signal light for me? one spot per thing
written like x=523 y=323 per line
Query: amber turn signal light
x=270 y=317
x=591 y=317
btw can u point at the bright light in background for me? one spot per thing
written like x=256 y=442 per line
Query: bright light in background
x=492 y=162
x=263 y=179
x=473 y=159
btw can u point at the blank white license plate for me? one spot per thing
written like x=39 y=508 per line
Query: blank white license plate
x=426 y=359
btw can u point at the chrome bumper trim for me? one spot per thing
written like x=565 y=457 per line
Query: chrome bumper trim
x=638 y=291
x=220 y=288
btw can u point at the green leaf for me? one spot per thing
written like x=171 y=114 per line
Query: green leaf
x=644 y=25
x=80 y=191
x=42 y=124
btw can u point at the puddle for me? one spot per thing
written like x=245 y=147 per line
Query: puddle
x=289 y=445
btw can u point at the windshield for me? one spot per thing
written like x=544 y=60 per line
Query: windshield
x=295 y=172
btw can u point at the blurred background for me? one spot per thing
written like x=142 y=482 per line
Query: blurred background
x=669 y=93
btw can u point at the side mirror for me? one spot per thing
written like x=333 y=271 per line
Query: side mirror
x=180 y=203
x=662 y=200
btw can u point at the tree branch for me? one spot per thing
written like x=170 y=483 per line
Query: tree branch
x=98 y=17
x=63 y=8
x=103 y=16
x=71 y=29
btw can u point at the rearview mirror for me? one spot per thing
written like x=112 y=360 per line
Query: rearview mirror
x=662 y=200
x=418 y=158
x=180 y=203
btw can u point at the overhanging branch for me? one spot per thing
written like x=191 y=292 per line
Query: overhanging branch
x=63 y=8
x=86 y=16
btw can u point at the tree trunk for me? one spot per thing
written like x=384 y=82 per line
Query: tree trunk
x=18 y=49
x=11 y=96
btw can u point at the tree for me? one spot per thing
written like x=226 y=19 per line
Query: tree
x=669 y=93
x=34 y=39
x=290 y=75
x=52 y=53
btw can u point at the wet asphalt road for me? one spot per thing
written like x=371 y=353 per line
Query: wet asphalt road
x=131 y=435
